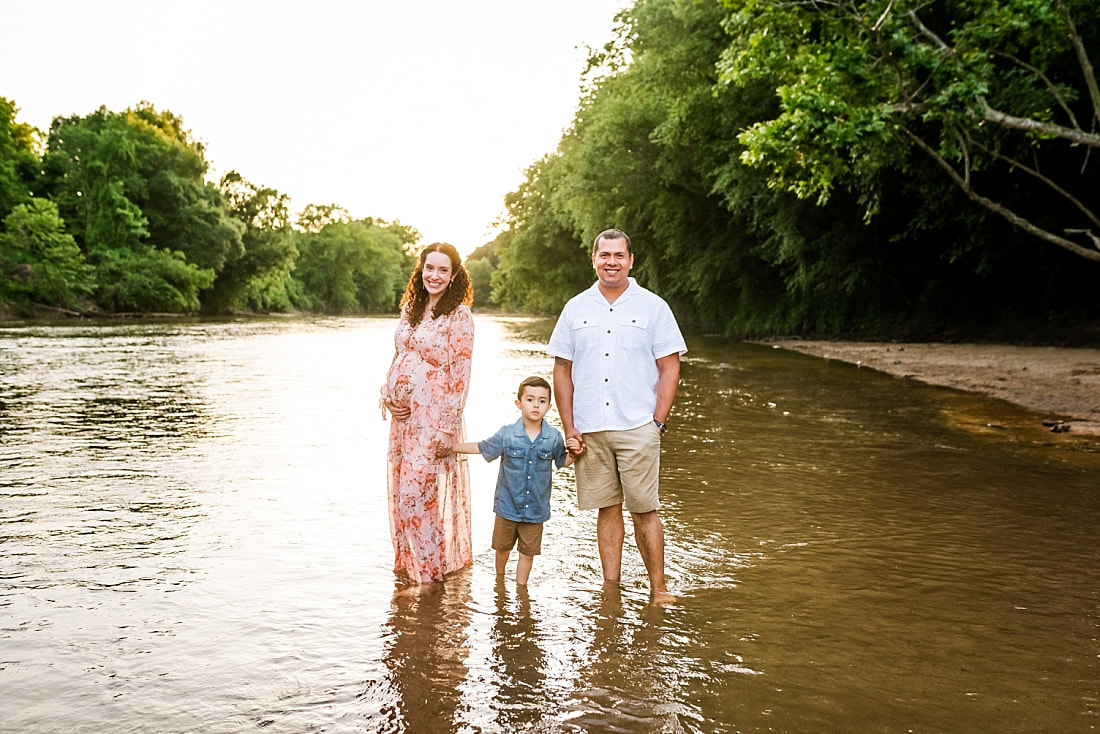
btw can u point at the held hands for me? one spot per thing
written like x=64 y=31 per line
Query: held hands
x=575 y=444
x=442 y=444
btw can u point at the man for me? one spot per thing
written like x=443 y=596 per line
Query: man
x=616 y=349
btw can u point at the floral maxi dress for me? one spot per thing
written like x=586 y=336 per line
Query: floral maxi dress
x=429 y=497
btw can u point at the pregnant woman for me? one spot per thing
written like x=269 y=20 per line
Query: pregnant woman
x=425 y=393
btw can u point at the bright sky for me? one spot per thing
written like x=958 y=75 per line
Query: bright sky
x=424 y=112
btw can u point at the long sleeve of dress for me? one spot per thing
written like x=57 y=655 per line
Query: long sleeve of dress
x=460 y=349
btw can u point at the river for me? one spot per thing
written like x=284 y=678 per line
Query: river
x=194 y=538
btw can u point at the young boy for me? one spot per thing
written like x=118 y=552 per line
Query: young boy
x=528 y=449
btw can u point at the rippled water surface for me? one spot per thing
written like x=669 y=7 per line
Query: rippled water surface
x=193 y=538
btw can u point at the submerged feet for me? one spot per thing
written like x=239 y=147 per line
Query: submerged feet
x=417 y=589
x=661 y=598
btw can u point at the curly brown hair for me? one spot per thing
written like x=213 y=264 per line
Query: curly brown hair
x=459 y=291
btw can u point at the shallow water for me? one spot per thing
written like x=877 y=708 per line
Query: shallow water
x=193 y=538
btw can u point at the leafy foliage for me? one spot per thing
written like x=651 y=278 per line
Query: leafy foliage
x=994 y=93
x=780 y=166
x=131 y=191
x=255 y=277
x=18 y=160
x=43 y=263
x=353 y=266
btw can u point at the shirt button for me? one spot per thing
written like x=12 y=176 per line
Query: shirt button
x=607 y=354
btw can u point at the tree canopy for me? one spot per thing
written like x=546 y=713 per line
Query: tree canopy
x=118 y=215
x=820 y=166
x=891 y=168
x=1002 y=96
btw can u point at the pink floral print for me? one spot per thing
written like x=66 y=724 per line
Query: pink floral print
x=429 y=497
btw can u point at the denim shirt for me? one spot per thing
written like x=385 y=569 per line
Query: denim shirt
x=526 y=469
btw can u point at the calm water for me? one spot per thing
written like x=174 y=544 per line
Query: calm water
x=193 y=538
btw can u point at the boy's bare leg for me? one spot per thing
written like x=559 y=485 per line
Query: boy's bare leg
x=502 y=561
x=523 y=568
x=610 y=532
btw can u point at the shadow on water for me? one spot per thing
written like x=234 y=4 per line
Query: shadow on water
x=193 y=537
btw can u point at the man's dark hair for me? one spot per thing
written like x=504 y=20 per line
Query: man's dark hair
x=611 y=234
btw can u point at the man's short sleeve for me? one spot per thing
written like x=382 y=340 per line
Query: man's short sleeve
x=561 y=340
x=667 y=338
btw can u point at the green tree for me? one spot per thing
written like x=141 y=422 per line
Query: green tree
x=481 y=277
x=353 y=266
x=44 y=263
x=315 y=217
x=130 y=188
x=657 y=149
x=258 y=277
x=147 y=280
x=186 y=213
x=1001 y=96
x=542 y=261
x=18 y=159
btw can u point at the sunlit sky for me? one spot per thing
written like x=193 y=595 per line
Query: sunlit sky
x=423 y=112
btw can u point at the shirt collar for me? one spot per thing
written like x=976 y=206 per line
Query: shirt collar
x=631 y=287
x=520 y=428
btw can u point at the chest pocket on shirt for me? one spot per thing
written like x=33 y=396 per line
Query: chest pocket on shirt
x=633 y=332
x=515 y=453
x=585 y=334
x=545 y=455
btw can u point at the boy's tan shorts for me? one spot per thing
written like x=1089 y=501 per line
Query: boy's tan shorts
x=620 y=466
x=506 y=532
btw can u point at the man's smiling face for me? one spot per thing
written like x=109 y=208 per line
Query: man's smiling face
x=613 y=261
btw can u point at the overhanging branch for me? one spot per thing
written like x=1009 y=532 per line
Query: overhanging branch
x=1014 y=218
x=1079 y=137
x=1082 y=59
x=1053 y=185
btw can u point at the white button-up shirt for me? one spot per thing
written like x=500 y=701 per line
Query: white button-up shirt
x=614 y=348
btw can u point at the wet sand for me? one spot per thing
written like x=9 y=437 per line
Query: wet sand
x=1061 y=384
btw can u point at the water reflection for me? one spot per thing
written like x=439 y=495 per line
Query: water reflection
x=96 y=407
x=519 y=663
x=627 y=681
x=193 y=537
x=425 y=656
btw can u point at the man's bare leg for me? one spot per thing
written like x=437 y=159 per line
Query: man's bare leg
x=610 y=532
x=649 y=533
x=502 y=561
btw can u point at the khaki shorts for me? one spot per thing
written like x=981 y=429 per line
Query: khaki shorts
x=620 y=467
x=506 y=532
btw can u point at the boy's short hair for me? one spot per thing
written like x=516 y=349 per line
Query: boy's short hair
x=532 y=381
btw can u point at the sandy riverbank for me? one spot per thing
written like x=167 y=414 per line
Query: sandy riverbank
x=1060 y=384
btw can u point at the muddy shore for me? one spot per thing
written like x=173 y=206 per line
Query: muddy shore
x=1061 y=385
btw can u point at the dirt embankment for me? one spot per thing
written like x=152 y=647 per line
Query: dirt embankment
x=1063 y=383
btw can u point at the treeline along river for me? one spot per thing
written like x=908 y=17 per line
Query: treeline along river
x=194 y=538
